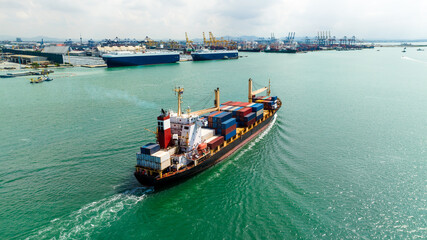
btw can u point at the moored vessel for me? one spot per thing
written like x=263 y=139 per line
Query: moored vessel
x=127 y=58
x=206 y=54
x=188 y=143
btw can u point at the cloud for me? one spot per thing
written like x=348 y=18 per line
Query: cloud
x=163 y=19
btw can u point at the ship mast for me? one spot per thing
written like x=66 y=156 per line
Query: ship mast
x=179 y=91
x=269 y=88
x=251 y=93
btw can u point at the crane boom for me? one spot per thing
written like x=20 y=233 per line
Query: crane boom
x=259 y=90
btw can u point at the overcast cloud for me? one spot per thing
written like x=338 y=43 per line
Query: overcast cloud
x=162 y=19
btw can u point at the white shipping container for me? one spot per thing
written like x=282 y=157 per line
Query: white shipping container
x=161 y=156
x=260 y=112
x=212 y=138
x=172 y=150
x=207 y=133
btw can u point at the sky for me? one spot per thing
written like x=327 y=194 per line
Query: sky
x=170 y=19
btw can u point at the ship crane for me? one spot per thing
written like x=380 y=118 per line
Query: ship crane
x=216 y=108
x=252 y=93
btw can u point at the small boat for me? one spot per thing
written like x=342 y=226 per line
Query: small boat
x=420 y=50
x=41 y=79
x=404 y=50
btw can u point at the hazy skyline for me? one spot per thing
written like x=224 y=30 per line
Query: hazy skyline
x=163 y=19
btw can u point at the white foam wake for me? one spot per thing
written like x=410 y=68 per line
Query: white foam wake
x=94 y=216
x=241 y=153
x=413 y=59
x=259 y=137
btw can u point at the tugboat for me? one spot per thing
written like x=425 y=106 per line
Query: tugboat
x=189 y=143
x=41 y=79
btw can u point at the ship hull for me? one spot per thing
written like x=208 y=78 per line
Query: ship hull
x=250 y=50
x=210 y=161
x=138 y=60
x=214 y=56
x=281 y=51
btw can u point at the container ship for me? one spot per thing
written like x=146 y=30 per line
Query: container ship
x=126 y=58
x=206 y=54
x=188 y=143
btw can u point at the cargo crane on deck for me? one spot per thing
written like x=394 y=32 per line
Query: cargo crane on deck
x=252 y=93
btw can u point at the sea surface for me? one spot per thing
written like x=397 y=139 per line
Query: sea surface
x=346 y=157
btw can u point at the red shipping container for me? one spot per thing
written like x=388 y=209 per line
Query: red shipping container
x=227 y=103
x=244 y=104
x=228 y=130
x=250 y=122
x=216 y=142
x=244 y=111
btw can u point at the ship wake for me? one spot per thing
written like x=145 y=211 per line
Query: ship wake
x=92 y=217
x=413 y=60
x=247 y=148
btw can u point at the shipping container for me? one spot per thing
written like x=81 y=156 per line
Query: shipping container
x=249 y=117
x=228 y=123
x=213 y=114
x=214 y=143
x=249 y=123
x=257 y=106
x=220 y=118
x=230 y=135
x=150 y=148
x=243 y=111
x=224 y=132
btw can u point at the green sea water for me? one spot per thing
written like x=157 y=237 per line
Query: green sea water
x=346 y=157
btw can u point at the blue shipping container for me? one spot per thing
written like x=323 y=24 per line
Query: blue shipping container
x=257 y=106
x=259 y=117
x=150 y=148
x=230 y=135
x=223 y=117
x=250 y=116
x=230 y=122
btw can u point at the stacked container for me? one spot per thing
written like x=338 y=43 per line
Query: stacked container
x=218 y=119
x=215 y=141
x=150 y=148
x=228 y=128
x=270 y=103
x=258 y=108
x=152 y=157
